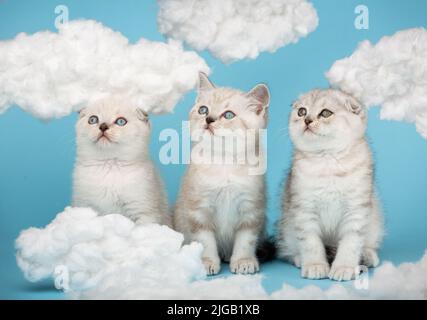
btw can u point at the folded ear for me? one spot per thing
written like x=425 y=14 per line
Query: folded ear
x=260 y=95
x=354 y=105
x=82 y=112
x=204 y=82
x=142 y=115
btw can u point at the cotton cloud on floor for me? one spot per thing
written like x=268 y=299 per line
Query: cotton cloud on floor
x=109 y=257
x=391 y=74
x=236 y=29
x=51 y=74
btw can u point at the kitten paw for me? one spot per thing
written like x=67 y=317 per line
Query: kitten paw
x=244 y=265
x=343 y=273
x=212 y=266
x=297 y=261
x=370 y=258
x=315 y=270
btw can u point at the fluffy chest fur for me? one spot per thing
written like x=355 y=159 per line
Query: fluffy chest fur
x=108 y=186
x=328 y=186
x=227 y=190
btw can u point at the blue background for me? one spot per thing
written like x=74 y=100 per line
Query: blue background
x=36 y=158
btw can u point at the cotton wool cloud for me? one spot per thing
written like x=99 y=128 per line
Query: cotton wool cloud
x=109 y=257
x=50 y=74
x=391 y=74
x=237 y=29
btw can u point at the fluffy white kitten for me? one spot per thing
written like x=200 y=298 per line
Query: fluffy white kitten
x=223 y=205
x=330 y=208
x=113 y=171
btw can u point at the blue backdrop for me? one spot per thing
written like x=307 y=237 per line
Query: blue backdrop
x=36 y=158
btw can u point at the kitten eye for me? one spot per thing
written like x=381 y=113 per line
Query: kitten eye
x=302 y=112
x=203 y=110
x=93 y=120
x=121 y=121
x=229 y=115
x=326 y=113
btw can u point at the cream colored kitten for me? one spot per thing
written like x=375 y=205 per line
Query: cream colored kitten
x=113 y=171
x=223 y=205
x=330 y=205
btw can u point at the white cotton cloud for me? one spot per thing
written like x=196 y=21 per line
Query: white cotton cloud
x=237 y=29
x=406 y=281
x=391 y=74
x=109 y=257
x=110 y=250
x=51 y=74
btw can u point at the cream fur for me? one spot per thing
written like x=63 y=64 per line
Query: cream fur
x=330 y=200
x=117 y=175
x=223 y=205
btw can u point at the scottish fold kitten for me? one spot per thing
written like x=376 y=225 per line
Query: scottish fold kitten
x=113 y=172
x=222 y=204
x=330 y=208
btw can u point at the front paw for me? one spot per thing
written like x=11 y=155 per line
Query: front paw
x=244 y=265
x=212 y=266
x=342 y=273
x=316 y=271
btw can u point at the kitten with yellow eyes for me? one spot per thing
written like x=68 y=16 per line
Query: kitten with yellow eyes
x=330 y=209
x=222 y=204
x=113 y=172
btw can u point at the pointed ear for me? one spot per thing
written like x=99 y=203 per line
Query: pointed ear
x=142 y=115
x=261 y=97
x=353 y=105
x=204 y=82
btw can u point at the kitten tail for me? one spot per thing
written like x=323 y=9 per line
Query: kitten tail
x=266 y=250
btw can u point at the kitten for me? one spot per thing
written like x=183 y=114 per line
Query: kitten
x=222 y=205
x=330 y=206
x=113 y=172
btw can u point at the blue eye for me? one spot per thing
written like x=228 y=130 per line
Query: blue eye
x=121 y=121
x=203 y=110
x=229 y=115
x=93 y=120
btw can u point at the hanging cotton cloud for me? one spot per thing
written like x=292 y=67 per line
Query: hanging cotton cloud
x=52 y=74
x=109 y=257
x=237 y=29
x=391 y=74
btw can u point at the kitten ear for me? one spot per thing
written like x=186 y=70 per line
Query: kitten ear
x=204 y=82
x=81 y=112
x=261 y=96
x=353 y=105
x=142 y=115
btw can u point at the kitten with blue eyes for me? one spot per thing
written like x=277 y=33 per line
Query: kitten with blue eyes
x=330 y=208
x=113 y=172
x=222 y=204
